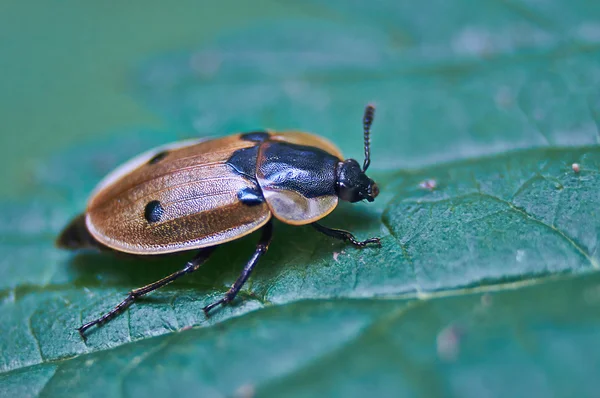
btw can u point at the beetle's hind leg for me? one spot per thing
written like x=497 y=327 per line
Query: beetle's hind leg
x=261 y=248
x=345 y=236
x=190 y=267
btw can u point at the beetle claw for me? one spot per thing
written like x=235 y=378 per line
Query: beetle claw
x=81 y=332
x=365 y=243
x=209 y=307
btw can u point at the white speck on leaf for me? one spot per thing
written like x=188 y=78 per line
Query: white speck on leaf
x=472 y=41
x=136 y=361
x=430 y=184
x=10 y=298
x=486 y=300
x=245 y=391
x=448 y=342
x=520 y=257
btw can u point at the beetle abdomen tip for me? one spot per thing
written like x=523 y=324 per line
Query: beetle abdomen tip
x=76 y=235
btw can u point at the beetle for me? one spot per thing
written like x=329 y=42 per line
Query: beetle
x=197 y=195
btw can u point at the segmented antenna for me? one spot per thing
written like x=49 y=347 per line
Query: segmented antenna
x=367 y=121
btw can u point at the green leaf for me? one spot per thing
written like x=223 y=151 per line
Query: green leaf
x=487 y=283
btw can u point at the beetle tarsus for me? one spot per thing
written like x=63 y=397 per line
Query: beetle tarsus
x=131 y=297
x=209 y=307
x=345 y=236
x=360 y=243
x=81 y=330
x=261 y=248
x=190 y=267
x=375 y=241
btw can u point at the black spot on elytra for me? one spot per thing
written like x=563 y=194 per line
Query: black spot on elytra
x=251 y=196
x=154 y=211
x=158 y=157
x=255 y=136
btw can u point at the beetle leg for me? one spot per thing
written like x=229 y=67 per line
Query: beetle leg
x=345 y=236
x=261 y=248
x=190 y=267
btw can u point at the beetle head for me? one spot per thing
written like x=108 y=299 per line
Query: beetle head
x=353 y=184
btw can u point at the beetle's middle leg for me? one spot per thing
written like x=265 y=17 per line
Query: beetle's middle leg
x=261 y=248
x=345 y=236
x=190 y=267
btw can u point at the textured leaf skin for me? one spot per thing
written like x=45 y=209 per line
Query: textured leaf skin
x=489 y=266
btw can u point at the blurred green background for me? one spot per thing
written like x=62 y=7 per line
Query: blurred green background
x=67 y=67
x=487 y=283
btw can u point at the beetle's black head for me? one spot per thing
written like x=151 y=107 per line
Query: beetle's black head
x=353 y=184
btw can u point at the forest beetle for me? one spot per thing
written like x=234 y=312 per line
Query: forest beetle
x=197 y=195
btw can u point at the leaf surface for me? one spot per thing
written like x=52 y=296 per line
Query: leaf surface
x=489 y=265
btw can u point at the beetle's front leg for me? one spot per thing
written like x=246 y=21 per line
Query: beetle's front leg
x=345 y=236
x=261 y=248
